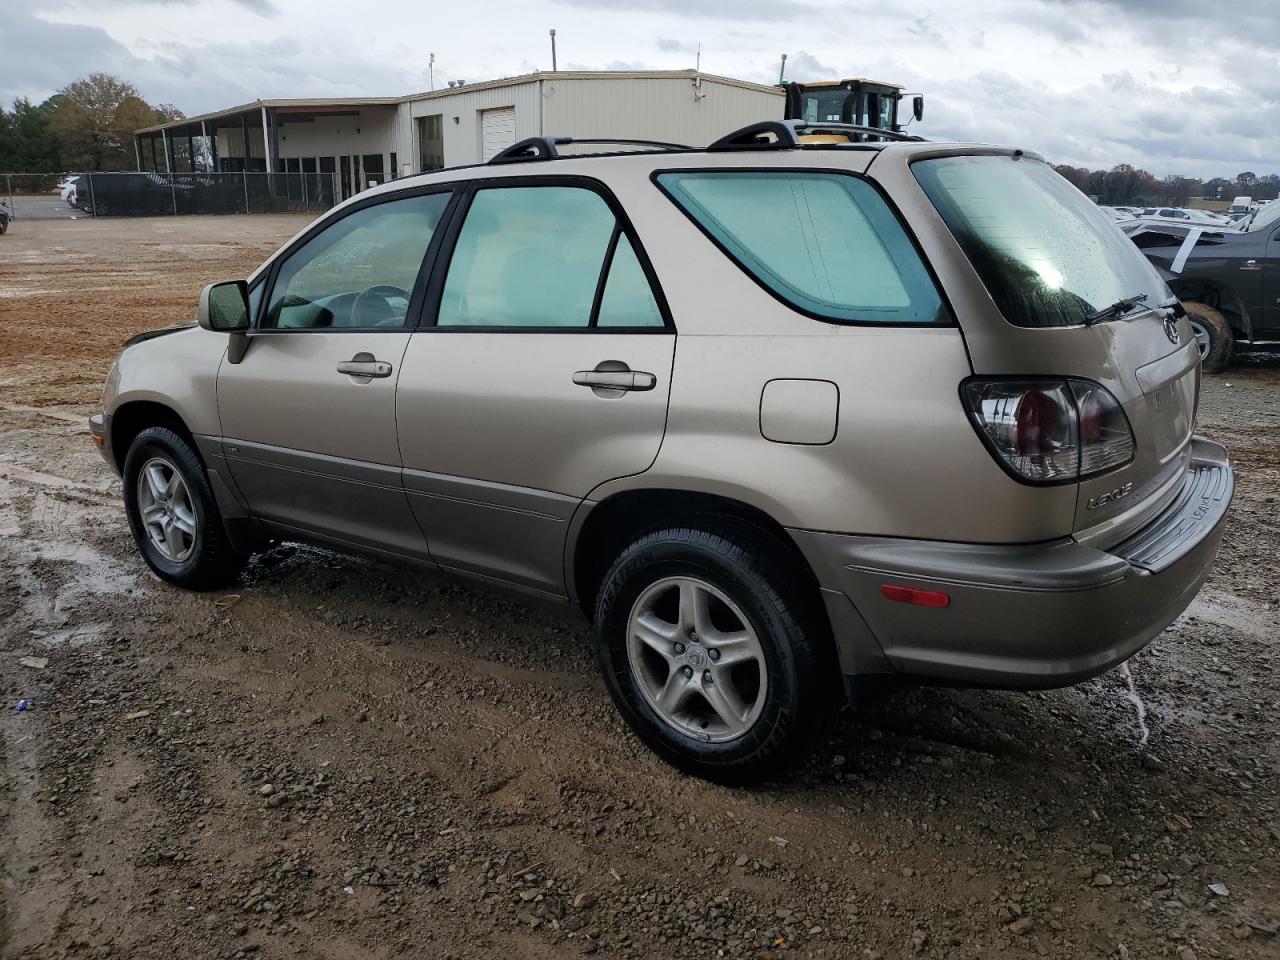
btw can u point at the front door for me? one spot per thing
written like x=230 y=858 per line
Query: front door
x=308 y=415
x=543 y=372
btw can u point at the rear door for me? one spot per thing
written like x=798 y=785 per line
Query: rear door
x=542 y=371
x=308 y=415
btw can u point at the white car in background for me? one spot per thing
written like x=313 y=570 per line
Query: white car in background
x=67 y=189
x=1182 y=215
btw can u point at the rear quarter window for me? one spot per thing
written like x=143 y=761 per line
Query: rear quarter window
x=824 y=243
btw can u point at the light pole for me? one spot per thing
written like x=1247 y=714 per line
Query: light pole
x=431 y=71
x=553 y=49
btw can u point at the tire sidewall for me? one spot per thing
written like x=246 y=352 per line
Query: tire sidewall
x=655 y=558
x=1219 y=332
x=161 y=443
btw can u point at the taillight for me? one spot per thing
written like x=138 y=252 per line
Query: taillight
x=1050 y=430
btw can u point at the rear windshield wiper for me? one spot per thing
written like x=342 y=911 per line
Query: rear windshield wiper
x=1115 y=311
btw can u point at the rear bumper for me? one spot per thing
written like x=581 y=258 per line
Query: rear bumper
x=1039 y=615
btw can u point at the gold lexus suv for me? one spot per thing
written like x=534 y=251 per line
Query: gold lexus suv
x=774 y=414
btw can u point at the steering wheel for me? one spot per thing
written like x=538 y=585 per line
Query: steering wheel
x=373 y=307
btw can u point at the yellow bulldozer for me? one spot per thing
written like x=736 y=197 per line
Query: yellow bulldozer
x=859 y=102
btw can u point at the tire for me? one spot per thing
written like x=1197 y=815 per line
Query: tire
x=1213 y=335
x=747 y=579
x=187 y=545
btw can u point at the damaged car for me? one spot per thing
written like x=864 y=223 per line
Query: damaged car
x=1227 y=278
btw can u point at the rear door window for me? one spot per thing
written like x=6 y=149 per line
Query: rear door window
x=545 y=257
x=825 y=243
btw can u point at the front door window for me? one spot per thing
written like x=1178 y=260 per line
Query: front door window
x=360 y=271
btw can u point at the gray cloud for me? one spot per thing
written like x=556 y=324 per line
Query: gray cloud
x=758 y=10
x=668 y=45
x=1087 y=82
x=40 y=57
x=263 y=8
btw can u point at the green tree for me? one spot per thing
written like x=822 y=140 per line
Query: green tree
x=94 y=120
x=27 y=143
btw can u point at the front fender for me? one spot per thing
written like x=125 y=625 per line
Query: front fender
x=179 y=371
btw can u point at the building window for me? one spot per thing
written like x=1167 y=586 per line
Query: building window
x=431 y=143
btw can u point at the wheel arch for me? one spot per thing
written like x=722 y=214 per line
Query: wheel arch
x=1219 y=296
x=599 y=531
x=132 y=417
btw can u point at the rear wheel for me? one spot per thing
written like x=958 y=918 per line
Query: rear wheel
x=173 y=515
x=1213 y=336
x=710 y=648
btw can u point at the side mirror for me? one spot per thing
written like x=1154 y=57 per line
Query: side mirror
x=224 y=307
x=917 y=107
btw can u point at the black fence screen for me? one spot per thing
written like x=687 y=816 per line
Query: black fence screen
x=160 y=194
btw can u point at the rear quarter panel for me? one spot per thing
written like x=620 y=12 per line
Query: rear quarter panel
x=904 y=462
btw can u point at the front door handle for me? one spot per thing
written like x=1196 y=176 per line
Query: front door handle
x=364 y=368
x=615 y=379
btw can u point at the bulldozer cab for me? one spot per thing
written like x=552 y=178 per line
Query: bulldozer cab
x=864 y=103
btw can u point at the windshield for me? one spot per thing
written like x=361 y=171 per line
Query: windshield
x=825 y=106
x=1047 y=254
x=1263 y=217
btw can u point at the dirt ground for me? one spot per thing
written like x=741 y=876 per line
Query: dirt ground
x=356 y=760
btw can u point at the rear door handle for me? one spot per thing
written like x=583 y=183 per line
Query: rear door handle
x=616 y=379
x=365 y=368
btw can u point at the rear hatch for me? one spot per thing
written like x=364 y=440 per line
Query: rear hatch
x=1072 y=297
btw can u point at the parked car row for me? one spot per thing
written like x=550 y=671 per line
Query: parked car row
x=1173 y=214
x=75 y=191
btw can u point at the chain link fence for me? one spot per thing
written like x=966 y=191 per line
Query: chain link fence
x=40 y=195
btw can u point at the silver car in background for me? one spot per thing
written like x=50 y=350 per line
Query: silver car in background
x=775 y=415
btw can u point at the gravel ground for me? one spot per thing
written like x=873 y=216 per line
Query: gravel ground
x=346 y=759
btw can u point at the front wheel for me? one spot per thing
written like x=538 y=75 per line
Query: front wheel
x=173 y=514
x=1214 y=338
x=712 y=650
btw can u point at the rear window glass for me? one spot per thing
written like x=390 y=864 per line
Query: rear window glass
x=1047 y=254
x=826 y=243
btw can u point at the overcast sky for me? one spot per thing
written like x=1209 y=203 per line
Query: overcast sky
x=1176 y=86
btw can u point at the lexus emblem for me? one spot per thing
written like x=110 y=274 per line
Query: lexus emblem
x=1171 y=330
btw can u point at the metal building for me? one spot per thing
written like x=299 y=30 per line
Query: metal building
x=369 y=140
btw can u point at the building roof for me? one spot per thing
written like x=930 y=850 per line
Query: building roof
x=332 y=103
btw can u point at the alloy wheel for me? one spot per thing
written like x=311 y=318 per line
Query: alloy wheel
x=1204 y=339
x=164 y=504
x=696 y=659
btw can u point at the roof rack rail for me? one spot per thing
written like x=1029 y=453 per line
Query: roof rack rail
x=531 y=148
x=785 y=135
x=546 y=148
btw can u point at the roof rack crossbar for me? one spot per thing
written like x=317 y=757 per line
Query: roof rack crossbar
x=546 y=148
x=785 y=135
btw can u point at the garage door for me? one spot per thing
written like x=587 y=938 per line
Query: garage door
x=497 y=131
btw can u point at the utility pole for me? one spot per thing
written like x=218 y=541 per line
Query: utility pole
x=782 y=70
x=431 y=72
x=553 y=49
